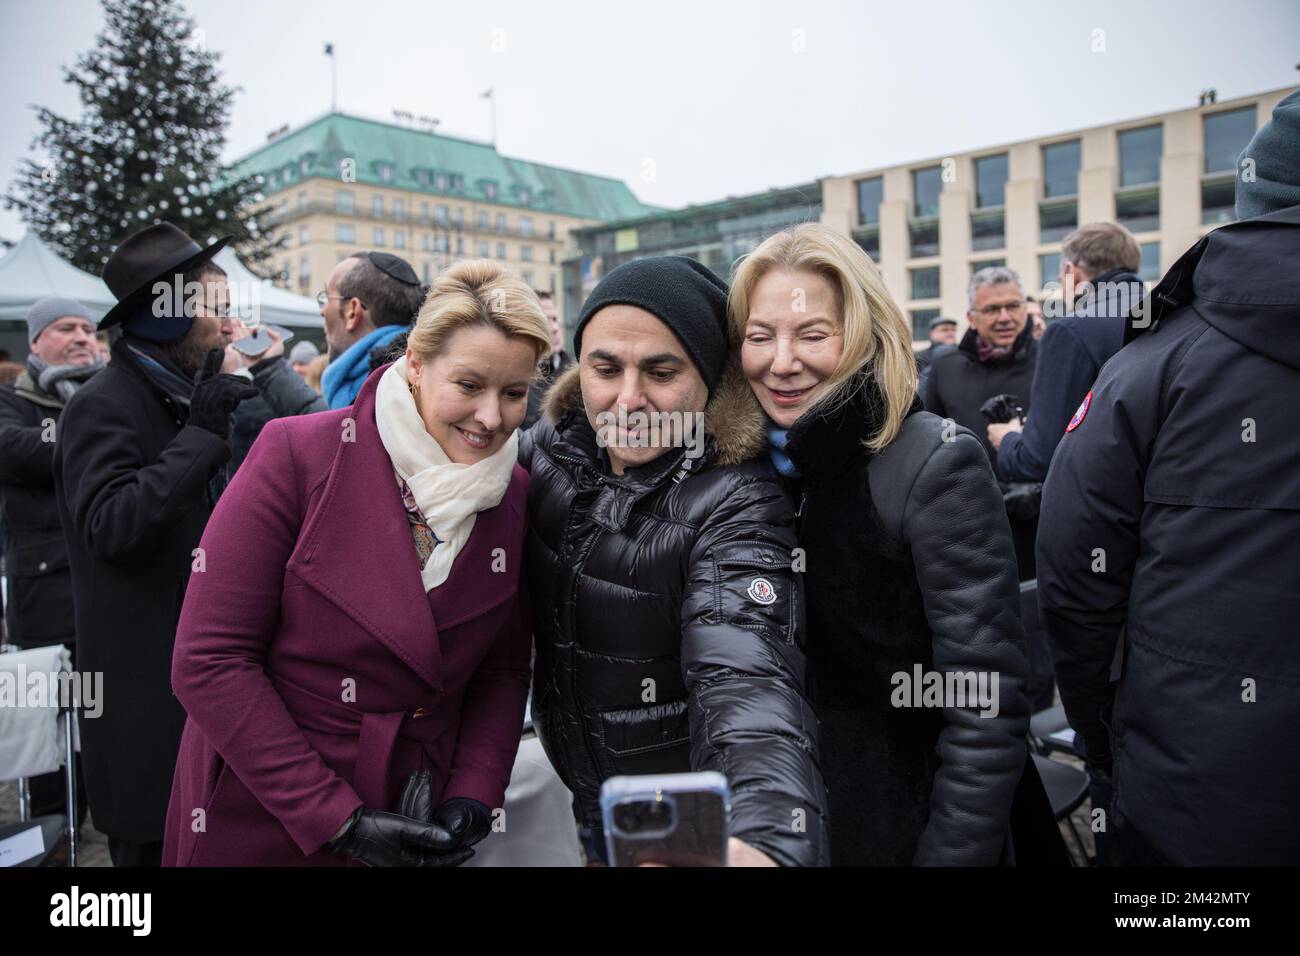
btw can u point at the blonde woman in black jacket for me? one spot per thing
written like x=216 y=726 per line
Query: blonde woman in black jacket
x=915 y=649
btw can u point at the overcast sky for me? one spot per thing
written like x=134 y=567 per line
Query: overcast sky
x=723 y=98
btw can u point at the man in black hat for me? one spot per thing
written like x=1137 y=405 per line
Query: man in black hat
x=666 y=610
x=138 y=460
x=370 y=298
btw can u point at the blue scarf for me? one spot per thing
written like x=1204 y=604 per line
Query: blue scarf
x=345 y=375
x=776 y=442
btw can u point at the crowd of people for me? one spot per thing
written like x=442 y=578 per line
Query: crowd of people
x=322 y=613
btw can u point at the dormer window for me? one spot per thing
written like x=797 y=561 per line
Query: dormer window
x=440 y=182
x=385 y=171
x=489 y=188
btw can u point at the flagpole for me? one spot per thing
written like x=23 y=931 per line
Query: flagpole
x=334 y=78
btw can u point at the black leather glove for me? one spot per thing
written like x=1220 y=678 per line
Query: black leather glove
x=464 y=818
x=377 y=838
x=216 y=395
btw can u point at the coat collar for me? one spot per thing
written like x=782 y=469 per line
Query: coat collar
x=828 y=439
x=356 y=550
x=27 y=388
x=1020 y=348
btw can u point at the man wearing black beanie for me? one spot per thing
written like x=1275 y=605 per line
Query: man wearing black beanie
x=667 y=611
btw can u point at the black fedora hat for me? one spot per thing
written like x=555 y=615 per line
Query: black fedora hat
x=154 y=253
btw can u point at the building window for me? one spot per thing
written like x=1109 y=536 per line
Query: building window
x=528 y=279
x=484 y=249
x=386 y=172
x=869 y=240
x=490 y=190
x=550 y=230
x=399 y=209
x=302 y=201
x=399 y=239
x=552 y=252
x=1049 y=268
x=1226 y=135
x=526 y=253
x=991 y=181
x=979 y=264
x=482 y=220
x=921 y=319
x=1218 y=199
x=457 y=181
x=925 y=282
x=524 y=196
x=304 y=236
x=424 y=212
x=988 y=229
x=304 y=270
x=377 y=205
x=1061 y=169
x=460 y=217
x=1150 y=268
x=343 y=202
x=501 y=250
x=871 y=192
x=923 y=237
x=501 y=222
x=440 y=242
x=1139 y=155
x=926 y=185
x=424 y=241
x=460 y=245
x=1138 y=210
x=345 y=232
x=440 y=214
x=422 y=177
x=1056 y=220
x=379 y=238
x=440 y=182
x=525 y=226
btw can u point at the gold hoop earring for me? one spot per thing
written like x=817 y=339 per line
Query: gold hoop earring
x=414 y=389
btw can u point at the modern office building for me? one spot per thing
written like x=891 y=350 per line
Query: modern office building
x=930 y=224
x=342 y=183
x=716 y=234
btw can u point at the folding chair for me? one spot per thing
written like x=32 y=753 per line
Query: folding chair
x=24 y=755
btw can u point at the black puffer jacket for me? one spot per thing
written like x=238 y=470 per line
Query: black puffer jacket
x=668 y=621
x=39 y=610
x=910 y=565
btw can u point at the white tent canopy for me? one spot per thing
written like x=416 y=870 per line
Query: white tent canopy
x=277 y=305
x=32 y=270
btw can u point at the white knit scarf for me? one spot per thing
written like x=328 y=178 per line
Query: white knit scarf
x=449 y=495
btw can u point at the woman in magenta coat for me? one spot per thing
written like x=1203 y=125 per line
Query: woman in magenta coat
x=353 y=652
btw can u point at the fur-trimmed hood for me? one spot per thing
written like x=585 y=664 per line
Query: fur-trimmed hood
x=733 y=417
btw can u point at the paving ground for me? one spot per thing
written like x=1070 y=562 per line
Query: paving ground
x=94 y=845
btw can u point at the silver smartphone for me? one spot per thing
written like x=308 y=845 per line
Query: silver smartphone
x=672 y=819
x=259 y=341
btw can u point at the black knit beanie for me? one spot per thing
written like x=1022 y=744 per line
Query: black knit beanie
x=681 y=293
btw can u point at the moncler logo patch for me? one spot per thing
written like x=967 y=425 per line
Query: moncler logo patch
x=1080 y=413
x=761 y=591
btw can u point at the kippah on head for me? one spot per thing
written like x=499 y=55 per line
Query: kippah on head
x=394 y=266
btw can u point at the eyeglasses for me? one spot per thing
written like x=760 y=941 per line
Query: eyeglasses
x=992 y=311
x=322 y=298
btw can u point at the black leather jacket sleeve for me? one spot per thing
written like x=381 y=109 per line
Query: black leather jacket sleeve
x=961 y=545
x=284 y=389
x=750 y=719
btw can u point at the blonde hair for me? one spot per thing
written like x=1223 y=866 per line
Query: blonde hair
x=315 y=369
x=478 y=292
x=877 y=336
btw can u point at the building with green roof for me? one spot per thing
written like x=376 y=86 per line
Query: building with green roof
x=341 y=183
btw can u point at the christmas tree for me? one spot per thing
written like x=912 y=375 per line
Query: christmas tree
x=147 y=148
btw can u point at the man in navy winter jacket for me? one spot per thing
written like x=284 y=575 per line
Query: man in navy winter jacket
x=1099 y=264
